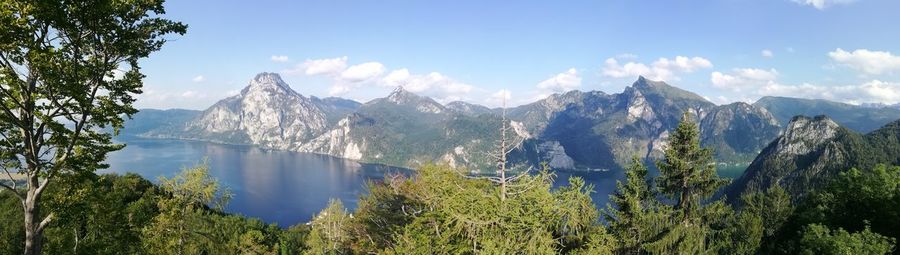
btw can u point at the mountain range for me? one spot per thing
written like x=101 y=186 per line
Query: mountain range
x=572 y=130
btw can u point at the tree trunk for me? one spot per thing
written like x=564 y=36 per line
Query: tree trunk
x=33 y=231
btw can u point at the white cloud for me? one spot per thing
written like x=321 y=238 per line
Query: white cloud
x=562 y=82
x=362 y=72
x=661 y=69
x=874 y=91
x=397 y=78
x=500 y=98
x=433 y=84
x=767 y=53
x=757 y=74
x=683 y=64
x=822 y=4
x=346 y=79
x=338 y=89
x=750 y=83
x=630 y=69
x=743 y=78
x=879 y=91
x=279 y=58
x=327 y=66
x=870 y=62
x=199 y=78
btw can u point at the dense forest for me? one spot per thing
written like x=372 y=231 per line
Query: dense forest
x=439 y=210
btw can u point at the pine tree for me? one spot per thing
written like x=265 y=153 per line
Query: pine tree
x=688 y=172
x=631 y=203
x=688 y=177
x=761 y=216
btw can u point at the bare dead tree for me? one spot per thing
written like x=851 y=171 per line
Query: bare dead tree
x=500 y=156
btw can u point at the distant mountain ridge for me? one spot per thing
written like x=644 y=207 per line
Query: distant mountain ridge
x=599 y=130
x=858 y=118
x=572 y=130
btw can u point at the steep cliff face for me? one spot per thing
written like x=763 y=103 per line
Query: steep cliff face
x=338 y=142
x=267 y=112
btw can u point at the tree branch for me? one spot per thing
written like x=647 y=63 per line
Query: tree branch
x=44 y=222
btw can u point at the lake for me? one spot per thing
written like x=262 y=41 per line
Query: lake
x=281 y=187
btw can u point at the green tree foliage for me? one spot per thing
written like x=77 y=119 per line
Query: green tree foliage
x=760 y=218
x=855 y=201
x=101 y=215
x=818 y=239
x=635 y=216
x=456 y=214
x=190 y=221
x=113 y=214
x=688 y=172
x=330 y=233
x=293 y=239
x=59 y=86
x=578 y=214
x=180 y=226
x=382 y=212
x=860 y=198
x=11 y=235
x=98 y=215
x=688 y=176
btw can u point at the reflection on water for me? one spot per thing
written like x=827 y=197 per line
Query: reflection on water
x=275 y=186
x=278 y=186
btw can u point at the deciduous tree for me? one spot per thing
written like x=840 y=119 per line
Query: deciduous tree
x=68 y=68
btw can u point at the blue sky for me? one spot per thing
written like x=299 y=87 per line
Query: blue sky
x=483 y=51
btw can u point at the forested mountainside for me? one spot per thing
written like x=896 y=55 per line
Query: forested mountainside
x=814 y=150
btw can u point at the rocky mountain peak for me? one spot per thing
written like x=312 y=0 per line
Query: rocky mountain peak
x=643 y=83
x=267 y=113
x=268 y=81
x=401 y=96
x=651 y=88
x=803 y=134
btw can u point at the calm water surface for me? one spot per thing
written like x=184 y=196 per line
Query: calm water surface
x=278 y=186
